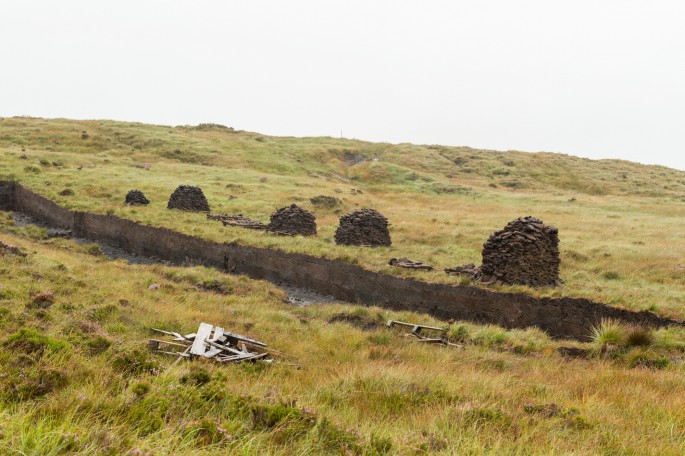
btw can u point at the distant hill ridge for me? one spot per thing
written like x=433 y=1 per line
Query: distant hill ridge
x=423 y=168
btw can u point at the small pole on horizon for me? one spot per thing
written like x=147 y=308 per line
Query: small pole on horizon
x=340 y=134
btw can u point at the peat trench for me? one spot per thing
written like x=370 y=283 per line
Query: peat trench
x=296 y=296
x=328 y=280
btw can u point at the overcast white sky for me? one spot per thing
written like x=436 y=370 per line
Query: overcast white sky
x=601 y=79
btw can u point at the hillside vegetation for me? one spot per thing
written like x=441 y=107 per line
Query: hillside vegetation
x=77 y=377
x=620 y=223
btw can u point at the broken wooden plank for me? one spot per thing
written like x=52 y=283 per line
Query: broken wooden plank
x=169 y=333
x=218 y=334
x=450 y=344
x=270 y=350
x=241 y=338
x=248 y=357
x=223 y=347
x=185 y=354
x=203 y=332
x=159 y=341
x=182 y=355
x=254 y=356
x=414 y=326
x=212 y=352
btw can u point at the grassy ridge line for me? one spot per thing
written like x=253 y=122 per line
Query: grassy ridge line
x=618 y=245
x=370 y=392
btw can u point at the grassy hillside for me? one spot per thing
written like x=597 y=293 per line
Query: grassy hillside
x=77 y=378
x=620 y=223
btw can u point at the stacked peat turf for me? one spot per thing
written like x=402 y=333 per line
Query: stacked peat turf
x=136 y=198
x=470 y=270
x=238 y=220
x=325 y=202
x=406 y=263
x=363 y=227
x=293 y=220
x=219 y=217
x=188 y=198
x=525 y=252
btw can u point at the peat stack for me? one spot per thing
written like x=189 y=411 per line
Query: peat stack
x=325 y=202
x=470 y=270
x=188 y=198
x=239 y=220
x=406 y=263
x=293 y=220
x=363 y=227
x=136 y=198
x=525 y=252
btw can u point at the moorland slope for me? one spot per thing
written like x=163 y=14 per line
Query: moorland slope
x=619 y=222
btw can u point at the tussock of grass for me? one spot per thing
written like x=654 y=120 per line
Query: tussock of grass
x=634 y=346
x=608 y=332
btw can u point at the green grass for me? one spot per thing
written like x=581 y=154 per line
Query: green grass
x=78 y=378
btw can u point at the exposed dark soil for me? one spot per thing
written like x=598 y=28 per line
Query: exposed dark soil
x=296 y=296
x=352 y=158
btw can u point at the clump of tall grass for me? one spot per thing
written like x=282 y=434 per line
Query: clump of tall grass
x=638 y=336
x=610 y=333
x=606 y=335
x=635 y=346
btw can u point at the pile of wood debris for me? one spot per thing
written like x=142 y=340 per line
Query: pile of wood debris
x=439 y=338
x=213 y=342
